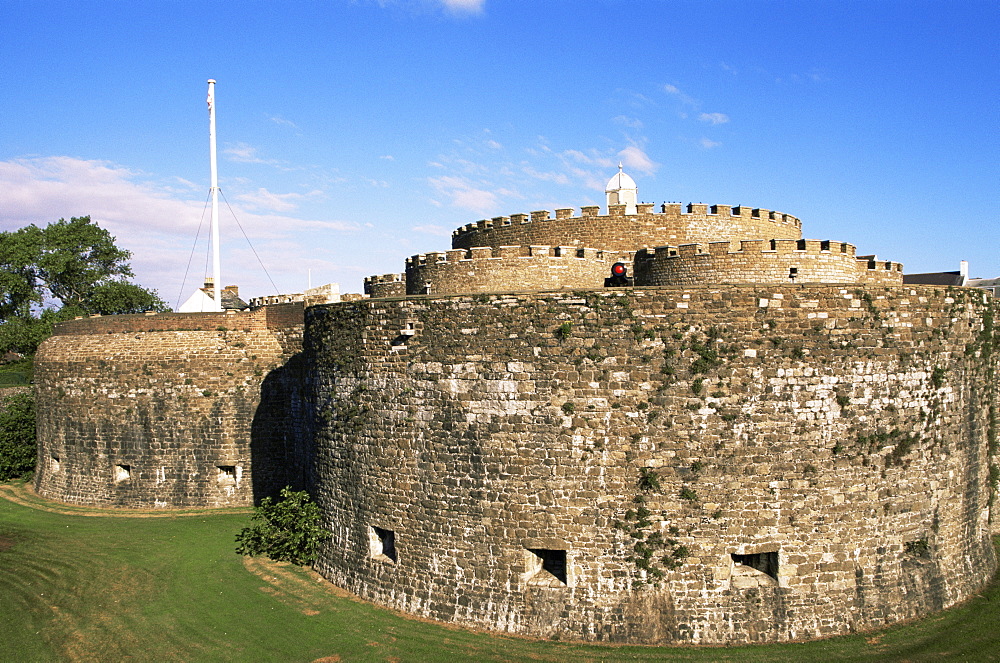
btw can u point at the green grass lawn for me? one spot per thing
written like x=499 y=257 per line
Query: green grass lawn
x=107 y=587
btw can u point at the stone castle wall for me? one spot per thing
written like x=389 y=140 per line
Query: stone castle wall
x=617 y=231
x=510 y=269
x=759 y=261
x=385 y=285
x=173 y=409
x=697 y=465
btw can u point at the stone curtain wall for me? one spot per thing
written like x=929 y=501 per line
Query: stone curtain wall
x=698 y=465
x=510 y=269
x=385 y=285
x=879 y=272
x=167 y=410
x=758 y=261
x=616 y=231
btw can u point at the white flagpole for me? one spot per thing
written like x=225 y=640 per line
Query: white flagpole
x=216 y=276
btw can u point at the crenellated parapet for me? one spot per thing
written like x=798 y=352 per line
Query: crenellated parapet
x=879 y=272
x=324 y=294
x=671 y=224
x=509 y=269
x=762 y=261
x=386 y=285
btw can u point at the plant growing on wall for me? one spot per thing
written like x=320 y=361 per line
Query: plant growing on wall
x=651 y=552
x=286 y=530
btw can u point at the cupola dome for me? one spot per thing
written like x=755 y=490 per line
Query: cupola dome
x=620 y=181
x=621 y=190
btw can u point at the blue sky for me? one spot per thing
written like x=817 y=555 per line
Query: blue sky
x=353 y=134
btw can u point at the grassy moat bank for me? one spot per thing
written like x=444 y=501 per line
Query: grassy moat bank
x=80 y=584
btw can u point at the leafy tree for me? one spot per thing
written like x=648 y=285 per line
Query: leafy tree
x=76 y=256
x=25 y=334
x=119 y=297
x=17 y=436
x=66 y=269
x=286 y=530
x=19 y=290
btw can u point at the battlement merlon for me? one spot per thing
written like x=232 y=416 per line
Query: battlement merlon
x=385 y=285
x=385 y=278
x=483 y=253
x=763 y=261
x=778 y=246
x=642 y=209
x=880 y=265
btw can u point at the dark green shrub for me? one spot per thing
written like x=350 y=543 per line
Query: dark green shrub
x=688 y=494
x=937 y=377
x=286 y=530
x=707 y=359
x=918 y=548
x=17 y=436
x=648 y=479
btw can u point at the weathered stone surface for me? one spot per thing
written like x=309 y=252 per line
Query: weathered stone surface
x=671 y=225
x=171 y=410
x=727 y=452
x=525 y=469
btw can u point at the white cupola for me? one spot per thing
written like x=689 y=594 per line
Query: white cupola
x=621 y=190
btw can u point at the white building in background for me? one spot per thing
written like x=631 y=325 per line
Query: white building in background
x=621 y=190
x=959 y=278
x=203 y=300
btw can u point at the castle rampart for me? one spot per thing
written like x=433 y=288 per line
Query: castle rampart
x=759 y=261
x=757 y=438
x=618 y=231
x=172 y=409
x=509 y=268
x=660 y=465
x=385 y=285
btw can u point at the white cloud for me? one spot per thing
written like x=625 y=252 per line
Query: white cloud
x=41 y=190
x=277 y=119
x=431 y=229
x=242 y=153
x=454 y=7
x=464 y=195
x=388 y=157
x=275 y=202
x=708 y=144
x=630 y=122
x=675 y=91
x=592 y=159
x=633 y=157
x=714 y=118
x=546 y=176
x=158 y=221
x=464 y=6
